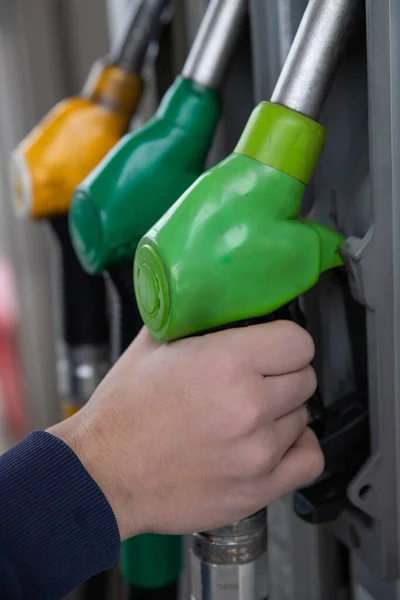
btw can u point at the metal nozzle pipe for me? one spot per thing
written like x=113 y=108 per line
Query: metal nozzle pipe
x=307 y=75
x=215 y=41
x=143 y=26
x=230 y=563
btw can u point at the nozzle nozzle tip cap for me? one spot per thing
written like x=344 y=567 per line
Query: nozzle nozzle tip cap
x=86 y=233
x=151 y=288
x=21 y=185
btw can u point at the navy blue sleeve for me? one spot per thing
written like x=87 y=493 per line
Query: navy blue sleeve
x=57 y=528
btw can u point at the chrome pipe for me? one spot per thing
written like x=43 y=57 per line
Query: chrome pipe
x=231 y=563
x=144 y=25
x=215 y=41
x=307 y=75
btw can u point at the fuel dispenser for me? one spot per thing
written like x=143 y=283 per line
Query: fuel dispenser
x=233 y=249
x=133 y=186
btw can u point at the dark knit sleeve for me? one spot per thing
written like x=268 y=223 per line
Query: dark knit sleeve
x=57 y=528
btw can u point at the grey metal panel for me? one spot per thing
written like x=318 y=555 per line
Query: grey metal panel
x=304 y=561
x=367 y=587
x=376 y=543
x=357 y=188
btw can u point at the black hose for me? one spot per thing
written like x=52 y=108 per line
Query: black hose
x=85 y=321
x=130 y=322
x=85 y=318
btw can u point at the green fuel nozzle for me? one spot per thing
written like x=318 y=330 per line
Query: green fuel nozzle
x=234 y=246
x=140 y=179
x=149 y=169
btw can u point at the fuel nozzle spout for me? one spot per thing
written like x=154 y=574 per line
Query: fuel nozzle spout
x=115 y=81
x=147 y=20
x=230 y=562
x=307 y=75
x=215 y=42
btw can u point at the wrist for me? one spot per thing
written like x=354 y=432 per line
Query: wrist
x=97 y=458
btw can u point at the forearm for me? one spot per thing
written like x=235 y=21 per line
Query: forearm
x=57 y=528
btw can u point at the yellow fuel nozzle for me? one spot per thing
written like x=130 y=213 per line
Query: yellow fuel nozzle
x=78 y=132
x=71 y=140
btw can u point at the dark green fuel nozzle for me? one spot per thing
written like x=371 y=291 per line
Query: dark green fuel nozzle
x=144 y=174
x=149 y=169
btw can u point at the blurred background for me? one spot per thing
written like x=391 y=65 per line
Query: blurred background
x=46 y=50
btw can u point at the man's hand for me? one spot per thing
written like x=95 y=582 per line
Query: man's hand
x=202 y=432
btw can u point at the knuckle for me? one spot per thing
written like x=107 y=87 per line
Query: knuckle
x=239 y=416
x=317 y=462
x=211 y=358
x=248 y=415
x=228 y=362
x=302 y=418
x=272 y=452
x=315 y=459
x=307 y=346
x=258 y=466
x=302 y=384
x=257 y=460
x=302 y=338
x=311 y=380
